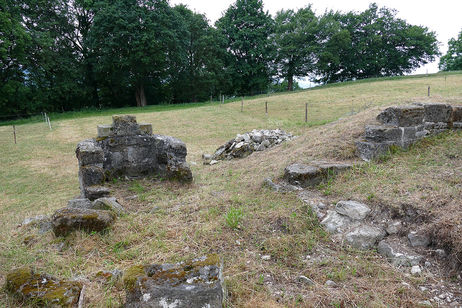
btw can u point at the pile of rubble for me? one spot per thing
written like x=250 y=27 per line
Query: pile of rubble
x=245 y=144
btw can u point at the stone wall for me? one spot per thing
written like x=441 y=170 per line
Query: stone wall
x=403 y=125
x=127 y=148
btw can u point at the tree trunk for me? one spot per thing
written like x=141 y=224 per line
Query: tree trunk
x=140 y=97
x=290 y=83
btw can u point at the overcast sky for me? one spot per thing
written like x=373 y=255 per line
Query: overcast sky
x=442 y=16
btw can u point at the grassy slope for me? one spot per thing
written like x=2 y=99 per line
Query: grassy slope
x=170 y=223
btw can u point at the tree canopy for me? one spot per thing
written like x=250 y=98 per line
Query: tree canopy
x=59 y=55
x=452 y=60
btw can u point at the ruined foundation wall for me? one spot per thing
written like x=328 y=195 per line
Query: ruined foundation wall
x=127 y=148
x=403 y=125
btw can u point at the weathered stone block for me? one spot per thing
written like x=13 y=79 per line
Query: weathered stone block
x=402 y=116
x=438 y=113
x=95 y=192
x=146 y=128
x=67 y=220
x=197 y=283
x=109 y=204
x=104 y=130
x=91 y=175
x=125 y=125
x=377 y=133
x=352 y=209
x=42 y=289
x=89 y=153
x=457 y=125
x=370 y=150
x=456 y=113
x=80 y=203
x=438 y=126
x=397 y=254
x=335 y=222
x=303 y=175
x=364 y=237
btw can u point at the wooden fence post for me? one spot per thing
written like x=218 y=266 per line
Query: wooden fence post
x=14 y=133
x=266 y=107
x=242 y=104
x=306 y=112
x=429 y=91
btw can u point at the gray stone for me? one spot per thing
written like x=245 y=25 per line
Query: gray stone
x=80 y=203
x=207 y=158
x=352 y=209
x=266 y=143
x=335 y=222
x=364 y=237
x=377 y=133
x=91 y=175
x=104 y=130
x=394 y=227
x=109 y=204
x=402 y=116
x=305 y=280
x=303 y=175
x=370 y=150
x=96 y=192
x=89 y=153
x=125 y=125
x=416 y=271
x=194 y=284
x=331 y=283
x=457 y=125
x=436 y=112
x=418 y=239
x=397 y=254
x=436 y=127
x=42 y=222
x=441 y=253
x=266 y=257
x=67 y=220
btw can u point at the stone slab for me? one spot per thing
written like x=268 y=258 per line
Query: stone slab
x=197 y=283
x=402 y=116
x=438 y=112
x=66 y=220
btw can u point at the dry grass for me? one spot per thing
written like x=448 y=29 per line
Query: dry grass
x=169 y=222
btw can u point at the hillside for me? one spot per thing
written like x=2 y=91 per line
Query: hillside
x=169 y=222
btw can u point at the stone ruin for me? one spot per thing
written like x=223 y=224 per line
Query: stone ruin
x=124 y=148
x=243 y=145
x=127 y=148
x=402 y=126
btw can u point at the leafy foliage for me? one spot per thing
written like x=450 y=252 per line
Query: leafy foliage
x=60 y=55
x=452 y=61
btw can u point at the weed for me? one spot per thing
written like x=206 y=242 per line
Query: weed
x=233 y=217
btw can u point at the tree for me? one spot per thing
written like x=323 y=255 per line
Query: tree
x=377 y=44
x=135 y=44
x=246 y=28
x=203 y=68
x=14 y=42
x=452 y=60
x=296 y=42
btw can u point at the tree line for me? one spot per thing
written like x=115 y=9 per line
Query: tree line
x=58 y=55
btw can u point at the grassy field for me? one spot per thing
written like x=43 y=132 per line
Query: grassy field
x=226 y=210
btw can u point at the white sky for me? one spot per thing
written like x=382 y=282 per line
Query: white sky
x=442 y=16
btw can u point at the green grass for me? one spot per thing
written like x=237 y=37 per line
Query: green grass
x=171 y=222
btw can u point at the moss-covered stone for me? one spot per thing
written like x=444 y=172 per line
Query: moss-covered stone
x=69 y=219
x=42 y=289
x=131 y=275
x=195 y=283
